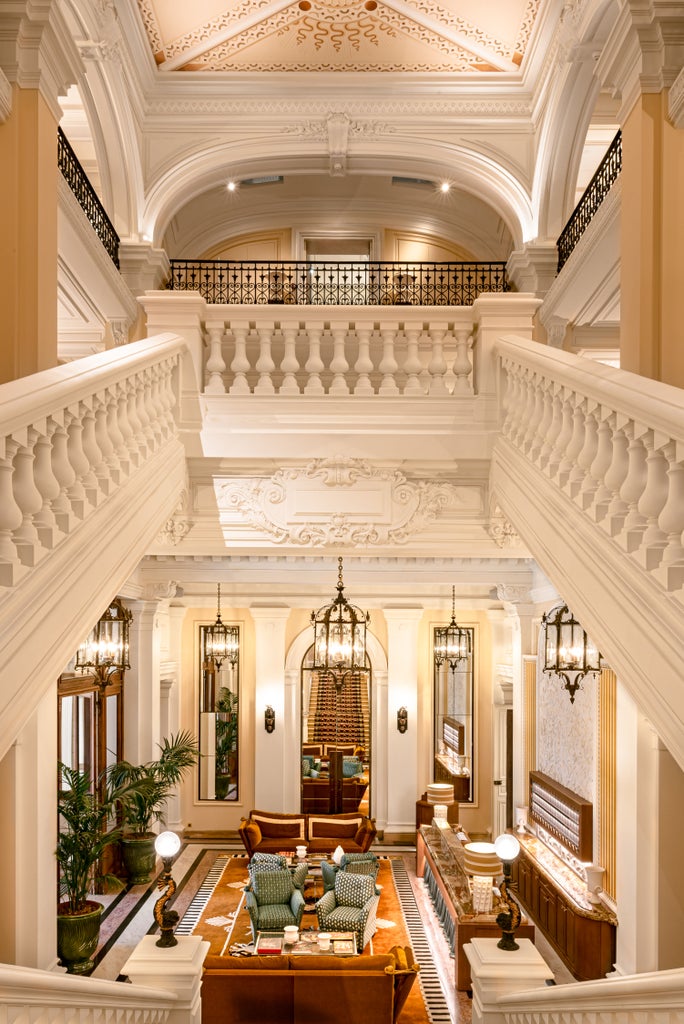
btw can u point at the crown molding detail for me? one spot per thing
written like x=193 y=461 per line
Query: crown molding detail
x=305 y=506
x=676 y=101
x=5 y=97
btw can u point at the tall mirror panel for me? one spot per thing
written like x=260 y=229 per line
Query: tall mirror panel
x=219 y=725
x=454 y=697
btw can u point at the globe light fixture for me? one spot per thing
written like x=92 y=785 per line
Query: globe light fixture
x=166 y=845
x=568 y=652
x=507 y=848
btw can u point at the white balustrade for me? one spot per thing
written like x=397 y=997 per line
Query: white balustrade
x=612 y=442
x=339 y=358
x=65 y=445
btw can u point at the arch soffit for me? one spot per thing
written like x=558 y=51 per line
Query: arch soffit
x=476 y=173
x=301 y=644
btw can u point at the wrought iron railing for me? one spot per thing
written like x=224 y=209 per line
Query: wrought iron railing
x=594 y=194
x=77 y=180
x=288 y=282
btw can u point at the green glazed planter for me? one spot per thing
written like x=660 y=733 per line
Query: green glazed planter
x=139 y=858
x=77 y=937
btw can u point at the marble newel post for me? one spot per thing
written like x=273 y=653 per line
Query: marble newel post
x=500 y=972
x=177 y=969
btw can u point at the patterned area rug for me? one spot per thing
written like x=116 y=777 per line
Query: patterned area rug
x=219 y=915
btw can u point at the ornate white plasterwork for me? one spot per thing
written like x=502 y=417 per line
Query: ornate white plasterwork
x=178 y=526
x=338 y=501
x=502 y=532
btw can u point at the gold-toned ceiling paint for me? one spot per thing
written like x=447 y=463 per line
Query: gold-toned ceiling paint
x=339 y=35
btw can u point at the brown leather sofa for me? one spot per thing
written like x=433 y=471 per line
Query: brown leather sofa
x=272 y=832
x=306 y=989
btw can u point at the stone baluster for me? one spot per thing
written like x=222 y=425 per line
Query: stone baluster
x=550 y=435
x=240 y=365
x=511 y=399
x=264 y=364
x=169 y=374
x=580 y=477
x=289 y=364
x=557 y=457
x=155 y=406
x=388 y=365
x=314 y=365
x=78 y=491
x=535 y=406
x=29 y=500
x=462 y=367
x=525 y=407
x=66 y=511
x=91 y=449
x=48 y=486
x=614 y=479
x=671 y=519
x=632 y=489
x=135 y=441
x=596 y=494
x=437 y=366
x=575 y=443
x=146 y=431
x=10 y=515
x=651 y=503
x=215 y=362
x=338 y=363
x=545 y=418
x=364 y=363
x=105 y=442
x=412 y=365
x=115 y=407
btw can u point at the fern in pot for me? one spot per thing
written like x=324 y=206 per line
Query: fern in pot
x=153 y=784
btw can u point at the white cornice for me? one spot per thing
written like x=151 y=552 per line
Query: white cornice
x=5 y=97
x=676 y=101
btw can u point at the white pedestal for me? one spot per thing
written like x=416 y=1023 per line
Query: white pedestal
x=500 y=972
x=175 y=969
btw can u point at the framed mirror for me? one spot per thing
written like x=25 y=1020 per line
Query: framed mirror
x=454 y=704
x=335 y=740
x=219 y=726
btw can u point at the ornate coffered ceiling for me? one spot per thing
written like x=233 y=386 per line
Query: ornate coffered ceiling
x=428 y=36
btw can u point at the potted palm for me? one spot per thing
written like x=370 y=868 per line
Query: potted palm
x=86 y=810
x=226 y=741
x=153 y=784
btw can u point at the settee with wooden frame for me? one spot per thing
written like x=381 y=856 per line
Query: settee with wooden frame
x=273 y=832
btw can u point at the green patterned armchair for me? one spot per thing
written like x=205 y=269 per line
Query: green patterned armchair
x=352 y=906
x=273 y=901
x=354 y=863
x=275 y=862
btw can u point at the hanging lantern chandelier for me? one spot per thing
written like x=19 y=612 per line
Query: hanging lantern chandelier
x=105 y=651
x=221 y=642
x=452 y=642
x=568 y=651
x=339 y=635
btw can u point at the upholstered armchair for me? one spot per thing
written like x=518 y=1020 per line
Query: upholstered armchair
x=352 y=906
x=354 y=863
x=273 y=901
x=275 y=862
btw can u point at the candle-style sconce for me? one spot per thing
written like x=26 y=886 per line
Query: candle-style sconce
x=269 y=719
x=402 y=720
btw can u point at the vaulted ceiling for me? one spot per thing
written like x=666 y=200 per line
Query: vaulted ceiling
x=411 y=36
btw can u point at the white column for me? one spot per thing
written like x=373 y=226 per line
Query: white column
x=28 y=822
x=637 y=831
x=402 y=691
x=271 y=750
x=141 y=686
x=519 y=619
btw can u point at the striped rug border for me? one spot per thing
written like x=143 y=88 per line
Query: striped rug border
x=428 y=976
x=198 y=904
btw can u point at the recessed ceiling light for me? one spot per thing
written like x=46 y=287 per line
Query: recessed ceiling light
x=232 y=186
x=444 y=187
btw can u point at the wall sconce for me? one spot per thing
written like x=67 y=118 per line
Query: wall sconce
x=166 y=845
x=507 y=848
x=402 y=720
x=568 y=652
x=269 y=719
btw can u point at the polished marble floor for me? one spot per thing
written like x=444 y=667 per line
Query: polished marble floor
x=130 y=917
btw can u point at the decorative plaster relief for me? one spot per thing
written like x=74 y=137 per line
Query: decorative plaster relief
x=341 y=500
x=502 y=532
x=178 y=526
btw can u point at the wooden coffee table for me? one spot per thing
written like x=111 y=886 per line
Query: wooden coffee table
x=273 y=943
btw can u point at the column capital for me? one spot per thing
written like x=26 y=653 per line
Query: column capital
x=534 y=267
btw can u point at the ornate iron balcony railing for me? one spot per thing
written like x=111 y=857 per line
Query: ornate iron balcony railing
x=594 y=194
x=77 y=180
x=289 y=282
